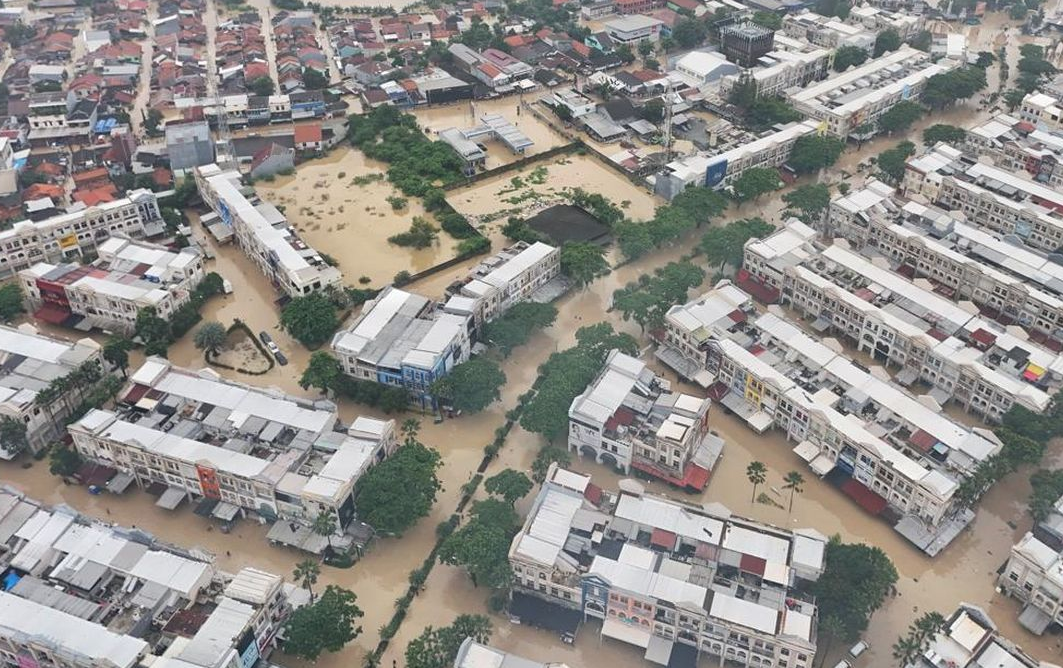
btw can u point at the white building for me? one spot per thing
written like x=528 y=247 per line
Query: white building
x=1014 y=147
x=629 y=417
x=128 y=276
x=30 y=362
x=1044 y=111
x=708 y=582
x=970 y=640
x=860 y=95
x=1034 y=575
x=826 y=31
x=69 y=235
x=781 y=70
x=576 y=103
x=264 y=234
x=403 y=340
x=633 y=28
x=514 y=275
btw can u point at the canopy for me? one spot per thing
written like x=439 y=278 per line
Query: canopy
x=629 y=633
x=171 y=498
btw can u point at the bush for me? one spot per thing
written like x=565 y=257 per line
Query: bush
x=474 y=246
x=456 y=225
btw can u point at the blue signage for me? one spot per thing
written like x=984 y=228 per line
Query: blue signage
x=715 y=173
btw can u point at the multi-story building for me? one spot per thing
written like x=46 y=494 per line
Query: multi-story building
x=744 y=43
x=189 y=145
x=472 y=654
x=264 y=234
x=522 y=272
x=860 y=95
x=1034 y=575
x=720 y=170
x=670 y=577
x=1014 y=146
x=970 y=640
x=885 y=448
x=1010 y=283
x=59 y=117
x=403 y=340
x=966 y=358
x=878 y=19
x=633 y=28
x=108 y=294
x=31 y=361
x=781 y=70
x=237 y=448
x=826 y=31
x=628 y=417
x=1044 y=111
x=69 y=235
x=994 y=199
x=81 y=594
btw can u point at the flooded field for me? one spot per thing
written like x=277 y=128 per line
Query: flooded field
x=467 y=113
x=351 y=219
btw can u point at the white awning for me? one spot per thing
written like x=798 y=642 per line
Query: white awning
x=119 y=483
x=629 y=633
x=225 y=511
x=822 y=465
x=759 y=422
x=659 y=650
x=807 y=450
x=171 y=498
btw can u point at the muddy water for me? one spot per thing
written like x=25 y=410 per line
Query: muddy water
x=352 y=222
x=464 y=115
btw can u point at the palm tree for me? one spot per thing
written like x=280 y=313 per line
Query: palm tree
x=794 y=480
x=116 y=351
x=210 y=337
x=306 y=572
x=13 y=435
x=324 y=525
x=911 y=646
x=410 y=428
x=757 y=474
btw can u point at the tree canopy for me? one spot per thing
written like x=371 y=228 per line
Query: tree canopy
x=754 y=182
x=326 y=625
x=769 y=20
x=514 y=327
x=725 y=245
x=63 y=461
x=808 y=202
x=470 y=386
x=510 y=484
x=910 y=647
x=648 y=299
x=944 y=89
x=438 y=647
x=891 y=162
x=887 y=40
x=950 y=134
x=311 y=319
x=765 y=112
x=1047 y=489
x=583 y=262
x=481 y=546
x=394 y=494
x=848 y=56
x=689 y=33
x=549 y=455
x=210 y=337
x=10 y=302
x=13 y=438
x=855 y=582
x=814 y=152
x=262 y=86
x=900 y=116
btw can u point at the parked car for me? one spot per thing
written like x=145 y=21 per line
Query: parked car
x=281 y=359
x=270 y=345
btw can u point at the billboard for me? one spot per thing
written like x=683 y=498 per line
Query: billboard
x=208 y=482
x=715 y=173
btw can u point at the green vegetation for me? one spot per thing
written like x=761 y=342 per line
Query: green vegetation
x=849 y=56
x=887 y=40
x=549 y=455
x=306 y=573
x=1033 y=70
x=566 y=374
x=1047 y=490
x=909 y=648
x=473 y=246
x=11 y=305
x=517 y=229
x=648 y=299
x=766 y=112
x=63 y=461
x=723 y=246
x=261 y=86
x=311 y=319
x=950 y=134
x=325 y=374
x=891 y=162
x=688 y=210
x=420 y=235
x=416 y=163
x=437 y=648
x=769 y=20
x=210 y=337
x=470 y=386
x=582 y=262
x=793 y=482
x=482 y=545
x=808 y=202
x=855 y=581
x=157 y=334
x=814 y=152
x=326 y=625
x=943 y=90
x=755 y=182
x=13 y=439
x=900 y=116
x=757 y=474
x=393 y=495
x=689 y=33
x=514 y=327
x=839 y=8
x=509 y=484
x=397 y=203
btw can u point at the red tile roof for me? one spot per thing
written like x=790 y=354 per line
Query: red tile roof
x=310 y=132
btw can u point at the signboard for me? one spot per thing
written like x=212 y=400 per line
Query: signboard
x=208 y=482
x=715 y=173
x=68 y=241
x=247 y=648
x=906 y=92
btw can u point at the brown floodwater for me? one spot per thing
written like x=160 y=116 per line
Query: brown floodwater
x=352 y=222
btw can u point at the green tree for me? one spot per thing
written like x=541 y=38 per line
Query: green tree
x=808 y=202
x=633 y=239
x=116 y=353
x=482 y=545
x=306 y=573
x=855 y=581
x=757 y=473
x=794 y=481
x=421 y=234
x=324 y=525
x=314 y=79
x=326 y=625
x=921 y=632
x=471 y=386
x=517 y=325
x=814 y=152
x=152 y=121
x=766 y=112
x=549 y=455
x=891 y=162
x=647 y=300
x=262 y=86
x=322 y=372
x=63 y=461
x=887 y=40
x=10 y=302
x=725 y=246
x=410 y=428
x=1047 y=488
x=210 y=337
x=582 y=262
x=754 y=182
x=769 y=20
x=153 y=331
x=900 y=116
x=689 y=33
x=985 y=59
x=400 y=490
x=849 y=56
x=645 y=48
x=438 y=647
x=510 y=484
x=950 y=134
x=311 y=319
